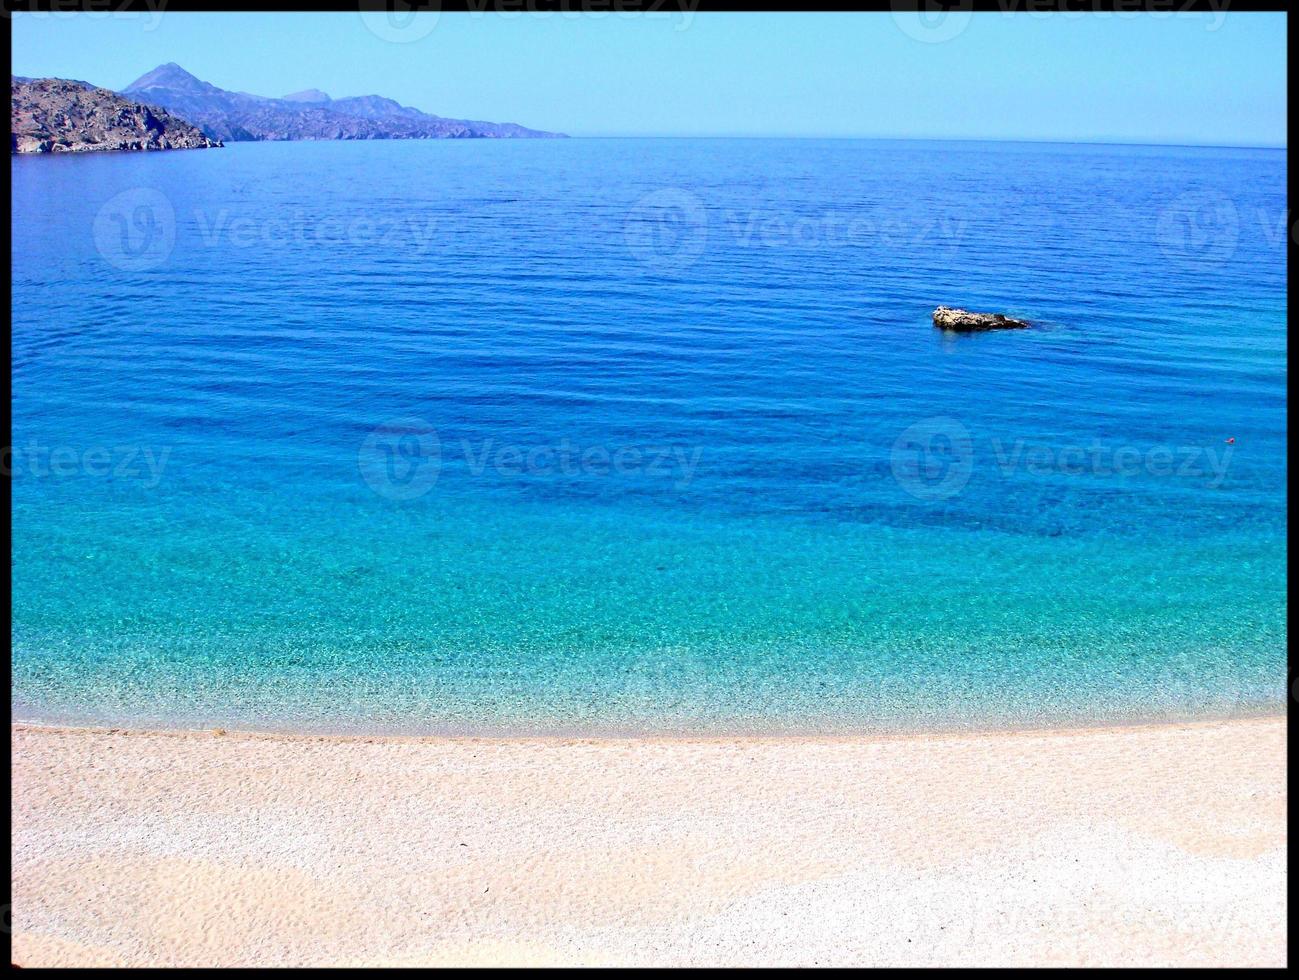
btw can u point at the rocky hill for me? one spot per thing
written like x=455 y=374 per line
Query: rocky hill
x=55 y=115
x=308 y=115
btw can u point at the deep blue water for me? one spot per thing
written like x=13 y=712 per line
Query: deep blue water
x=647 y=435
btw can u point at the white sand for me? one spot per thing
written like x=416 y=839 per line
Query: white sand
x=1159 y=845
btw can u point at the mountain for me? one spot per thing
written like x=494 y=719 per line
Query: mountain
x=377 y=107
x=70 y=81
x=309 y=115
x=58 y=115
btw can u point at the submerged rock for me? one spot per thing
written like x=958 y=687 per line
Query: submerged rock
x=949 y=318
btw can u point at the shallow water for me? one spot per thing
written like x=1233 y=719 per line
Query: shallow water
x=647 y=436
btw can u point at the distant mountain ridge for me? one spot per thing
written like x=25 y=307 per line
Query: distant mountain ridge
x=307 y=115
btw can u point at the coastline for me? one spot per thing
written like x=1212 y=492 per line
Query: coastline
x=1153 y=844
x=837 y=733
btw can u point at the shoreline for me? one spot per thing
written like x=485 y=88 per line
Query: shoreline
x=1153 y=844
x=1054 y=727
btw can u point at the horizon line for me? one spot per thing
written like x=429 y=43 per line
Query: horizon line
x=939 y=139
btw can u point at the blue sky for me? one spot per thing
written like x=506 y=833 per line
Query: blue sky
x=1213 y=77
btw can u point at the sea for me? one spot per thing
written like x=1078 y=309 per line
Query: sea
x=647 y=437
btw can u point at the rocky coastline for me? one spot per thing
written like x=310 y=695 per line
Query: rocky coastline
x=55 y=115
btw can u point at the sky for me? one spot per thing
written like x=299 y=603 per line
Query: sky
x=1216 y=77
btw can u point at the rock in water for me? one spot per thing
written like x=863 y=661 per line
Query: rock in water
x=54 y=115
x=963 y=321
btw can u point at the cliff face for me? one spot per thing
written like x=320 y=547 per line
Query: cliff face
x=53 y=115
x=309 y=115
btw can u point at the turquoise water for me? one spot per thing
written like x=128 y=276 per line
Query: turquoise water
x=647 y=436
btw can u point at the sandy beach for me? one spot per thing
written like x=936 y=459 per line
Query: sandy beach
x=1151 y=846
